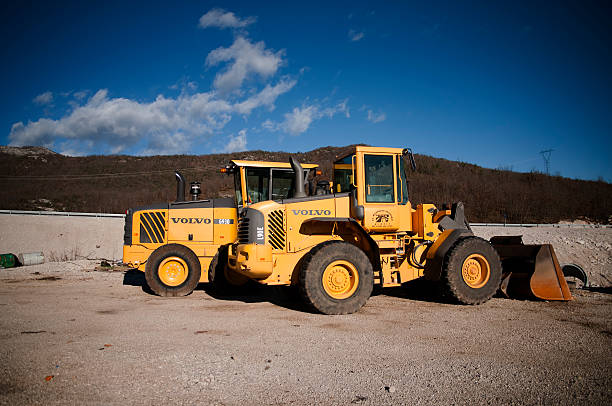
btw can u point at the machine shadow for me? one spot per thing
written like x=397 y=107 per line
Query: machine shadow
x=134 y=277
x=282 y=296
x=599 y=289
x=419 y=289
x=252 y=293
x=288 y=297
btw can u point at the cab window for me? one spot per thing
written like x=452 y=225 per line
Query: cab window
x=257 y=180
x=379 y=178
x=343 y=174
x=282 y=184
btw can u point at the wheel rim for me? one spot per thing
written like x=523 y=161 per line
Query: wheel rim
x=173 y=271
x=340 y=279
x=476 y=271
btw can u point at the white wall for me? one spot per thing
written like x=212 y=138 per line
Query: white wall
x=60 y=237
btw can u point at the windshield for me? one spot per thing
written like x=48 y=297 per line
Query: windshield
x=258 y=186
x=379 y=178
x=343 y=174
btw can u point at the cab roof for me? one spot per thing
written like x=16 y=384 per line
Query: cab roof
x=372 y=150
x=269 y=164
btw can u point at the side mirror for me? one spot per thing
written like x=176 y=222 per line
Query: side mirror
x=357 y=211
x=408 y=151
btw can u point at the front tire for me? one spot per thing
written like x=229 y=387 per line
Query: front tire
x=336 y=278
x=221 y=279
x=471 y=272
x=172 y=270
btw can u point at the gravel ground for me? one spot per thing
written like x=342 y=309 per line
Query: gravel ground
x=69 y=335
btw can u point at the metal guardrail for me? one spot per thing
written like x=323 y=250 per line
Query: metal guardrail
x=76 y=214
x=59 y=213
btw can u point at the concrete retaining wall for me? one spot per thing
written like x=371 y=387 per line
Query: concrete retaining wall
x=62 y=238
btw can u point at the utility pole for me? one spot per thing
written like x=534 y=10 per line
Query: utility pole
x=546 y=155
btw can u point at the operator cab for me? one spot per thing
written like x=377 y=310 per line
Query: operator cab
x=378 y=182
x=252 y=180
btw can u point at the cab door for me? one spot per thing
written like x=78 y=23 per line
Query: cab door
x=377 y=191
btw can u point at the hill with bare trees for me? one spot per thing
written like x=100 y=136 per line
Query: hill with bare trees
x=39 y=179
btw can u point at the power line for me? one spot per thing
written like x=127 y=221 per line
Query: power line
x=96 y=175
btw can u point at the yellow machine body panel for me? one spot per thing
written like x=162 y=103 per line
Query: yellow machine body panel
x=190 y=225
x=224 y=225
x=201 y=226
x=297 y=213
x=202 y=230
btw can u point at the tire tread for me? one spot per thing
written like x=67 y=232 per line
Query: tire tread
x=314 y=295
x=452 y=282
x=193 y=277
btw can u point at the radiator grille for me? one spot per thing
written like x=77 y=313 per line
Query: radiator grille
x=243 y=230
x=276 y=227
x=152 y=227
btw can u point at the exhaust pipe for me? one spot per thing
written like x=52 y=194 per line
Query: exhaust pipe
x=299 y=178
x=180 y=186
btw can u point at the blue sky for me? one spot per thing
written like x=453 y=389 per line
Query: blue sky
x=491 y=83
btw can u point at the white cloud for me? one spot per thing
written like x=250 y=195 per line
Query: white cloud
x=376 y=117
x=270 y=125
x=244 y=58
x=43 y=98
x=299 y=119
x=236 y=143
x=80 y=95
x=355 y=35
x=165 y=125
x=266 y=97
x=224 y=19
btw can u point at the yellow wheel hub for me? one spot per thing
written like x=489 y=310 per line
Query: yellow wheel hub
x=173 y=271
x=476 y=271
x=340 y=279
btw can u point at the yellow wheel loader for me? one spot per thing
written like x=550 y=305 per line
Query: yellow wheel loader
x=183 y=243
x=335 y=247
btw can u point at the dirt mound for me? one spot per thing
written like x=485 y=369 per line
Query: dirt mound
x=26 y=151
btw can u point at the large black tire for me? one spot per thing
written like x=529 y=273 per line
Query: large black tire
x=183 y=260
x=339 y=259
x=471 y=271
x=219 y=279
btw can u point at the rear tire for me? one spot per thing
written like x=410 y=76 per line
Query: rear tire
x=172 y=270
x=471 y=272
x=336 y=278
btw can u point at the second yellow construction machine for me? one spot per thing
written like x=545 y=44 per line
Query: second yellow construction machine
x=335 y=247
x=182 y=243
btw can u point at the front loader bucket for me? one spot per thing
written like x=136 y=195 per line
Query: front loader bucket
x=530 y=270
